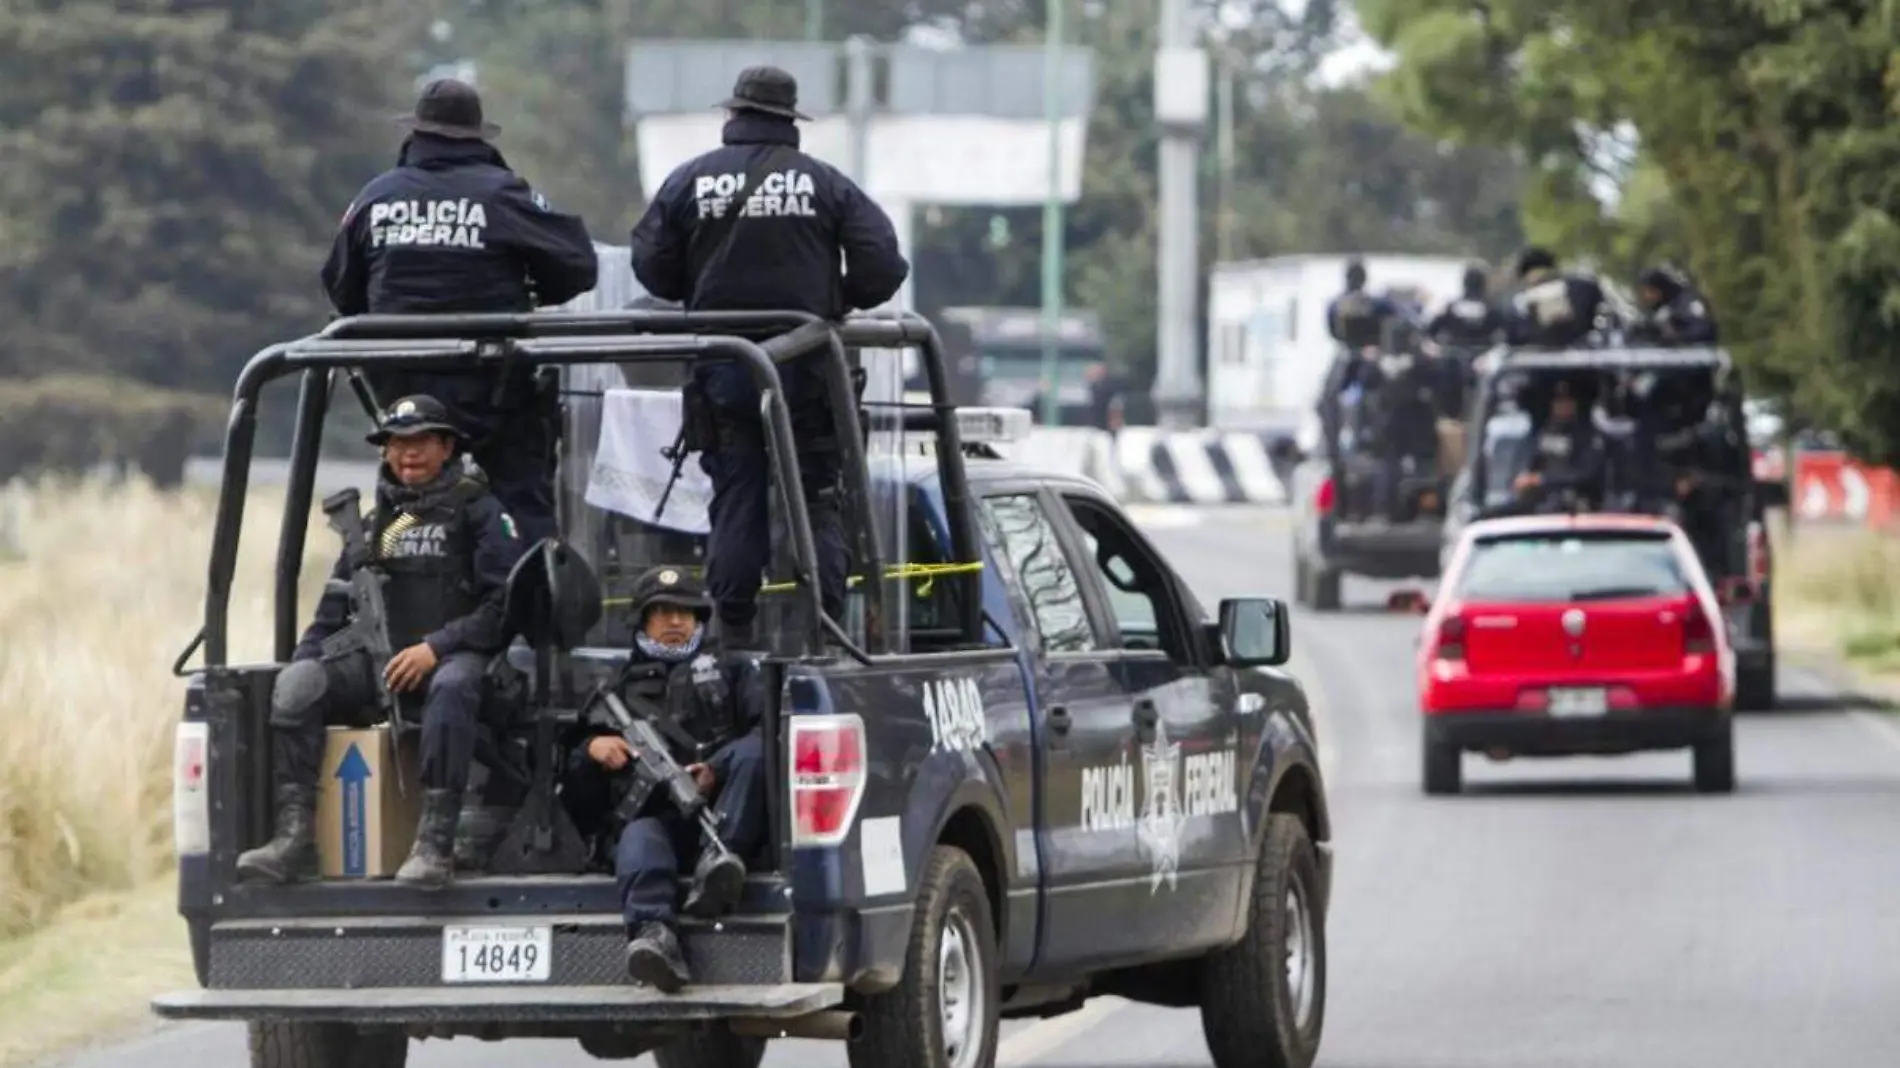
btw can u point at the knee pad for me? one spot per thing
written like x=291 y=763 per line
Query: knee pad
x=299 y=689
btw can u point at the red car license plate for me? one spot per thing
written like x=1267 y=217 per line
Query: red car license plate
x=1574 y=703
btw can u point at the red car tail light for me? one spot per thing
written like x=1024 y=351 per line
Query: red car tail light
x=1323 y=498
x=1698 y=631
x=1450 y=641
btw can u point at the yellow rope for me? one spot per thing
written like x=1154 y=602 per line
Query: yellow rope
x=927 y=572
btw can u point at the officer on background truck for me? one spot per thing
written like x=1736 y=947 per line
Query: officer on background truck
x=451 y=229
x=717 y=703
x=1552 y=309
x=758 y=225
x=446 y=546
x=1673 y=313
x=1356 y=318
x=1470 y=322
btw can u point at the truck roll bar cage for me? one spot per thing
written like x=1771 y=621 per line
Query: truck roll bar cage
x=760 y=340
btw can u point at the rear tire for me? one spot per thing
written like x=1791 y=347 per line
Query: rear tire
x=949 y=982
x=326 y=1045
x=713 y=1047
x=1263 y=1000
x=1715 y=763
x=1444 y=770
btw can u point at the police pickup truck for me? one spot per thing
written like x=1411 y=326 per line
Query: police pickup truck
x=1030 y=767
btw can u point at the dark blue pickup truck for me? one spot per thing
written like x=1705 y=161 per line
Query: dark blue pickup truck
x=1031 y=768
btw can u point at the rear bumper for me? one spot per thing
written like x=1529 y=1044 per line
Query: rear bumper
x=1538 y=734
x=538 y=1003
x=1383 y=550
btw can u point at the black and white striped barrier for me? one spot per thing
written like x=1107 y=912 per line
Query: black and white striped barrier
x=1198 y=466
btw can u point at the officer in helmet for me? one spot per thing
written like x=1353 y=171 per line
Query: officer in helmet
x=1357 y=319
x=710 y=707
x=1673 y=313
x=446 y=548
x=1552 y=308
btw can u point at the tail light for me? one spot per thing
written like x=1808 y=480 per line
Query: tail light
x=1757 y=555
x=1323 y=498
x=191 y=801
x=1698 y=631
x=1450 y=643
x=827 y=781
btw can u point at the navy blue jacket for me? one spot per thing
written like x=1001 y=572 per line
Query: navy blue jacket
x=810 y=240
x=452 y=229
x=497 y=547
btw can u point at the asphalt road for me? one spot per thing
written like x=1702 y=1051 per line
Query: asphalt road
x=1590 y=912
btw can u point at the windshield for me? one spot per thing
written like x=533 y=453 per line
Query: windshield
x=1569 y=566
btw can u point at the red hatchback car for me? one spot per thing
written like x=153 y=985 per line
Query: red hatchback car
x=1564 y=635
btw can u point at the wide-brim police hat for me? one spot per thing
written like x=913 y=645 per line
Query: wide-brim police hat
x=771 y=90
x=419 y=414
x=450 y=108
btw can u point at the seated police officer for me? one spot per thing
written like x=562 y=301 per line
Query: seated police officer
x=446 y=547
x=1673 y=313
x=711 y=708
x=452 y=229
x=758 y=225
x=1567 y=469
x=1552 y=309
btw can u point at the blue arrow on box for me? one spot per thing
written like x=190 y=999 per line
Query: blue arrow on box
x=353 y=771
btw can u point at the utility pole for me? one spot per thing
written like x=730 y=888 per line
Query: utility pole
x=814 y=20
x=1224 y=153
x=1181 y=90
x=1053 y=236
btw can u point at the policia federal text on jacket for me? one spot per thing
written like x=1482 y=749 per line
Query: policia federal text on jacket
x=758 y=225
x=447 y=548
x=452 y=229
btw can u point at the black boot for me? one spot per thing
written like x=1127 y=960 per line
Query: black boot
x=291 y=856
x=480 y=832
x=718 y=883
x=655 y=959
x=432 y=860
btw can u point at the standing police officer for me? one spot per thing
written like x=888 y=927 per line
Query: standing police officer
x=1471 y=321
x=1552 y=309
x=1673 y=312
x=758 y=225
x=446 y=547
x=712 y=710
x=1358 y=319
x=452 y=229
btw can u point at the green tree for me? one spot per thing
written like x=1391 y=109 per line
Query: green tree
x=174 y=172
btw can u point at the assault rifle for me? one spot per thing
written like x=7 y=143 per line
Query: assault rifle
x=368 y=630
x=653 y=764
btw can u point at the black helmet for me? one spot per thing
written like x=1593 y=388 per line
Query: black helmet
x=415 y=414
x=670 y=586
x=1355 y=273
x=1475 y=280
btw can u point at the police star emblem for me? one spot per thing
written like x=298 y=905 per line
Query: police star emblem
x=406 y=408
x=1160 y=823
x=669 y=577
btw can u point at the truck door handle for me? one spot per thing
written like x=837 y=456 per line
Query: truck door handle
x=1059 y=721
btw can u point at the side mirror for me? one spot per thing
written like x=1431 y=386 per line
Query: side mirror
x=1411 y=601
x=1255 y=632
x=1736 y=589
x=1283 y=450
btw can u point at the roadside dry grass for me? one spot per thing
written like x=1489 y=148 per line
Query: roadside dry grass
x=101 y=586
x=1837 y=592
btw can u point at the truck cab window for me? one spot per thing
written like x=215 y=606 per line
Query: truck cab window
x=1022 y=534
x=1138 y=590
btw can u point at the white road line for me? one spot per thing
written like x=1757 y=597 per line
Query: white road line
x=1044 y=1037
x=1880 y=724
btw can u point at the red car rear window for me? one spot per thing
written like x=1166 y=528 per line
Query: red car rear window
x=1572 y=566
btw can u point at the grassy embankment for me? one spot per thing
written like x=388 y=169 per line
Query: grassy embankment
x=1837 y=593
x=100 y=587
